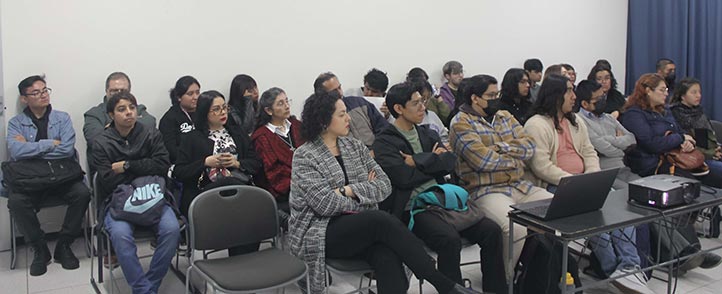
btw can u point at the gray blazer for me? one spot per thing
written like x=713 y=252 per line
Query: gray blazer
x=315 y=173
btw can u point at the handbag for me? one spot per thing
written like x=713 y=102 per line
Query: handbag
x=449 y=202
x=689 y=161
x=35 y=175
x=226 y=178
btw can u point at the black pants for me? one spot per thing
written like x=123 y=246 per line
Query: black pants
x=385 y=243
x=23 y=208
x=446 y=242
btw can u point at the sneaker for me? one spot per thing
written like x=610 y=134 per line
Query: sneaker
x=41 y=259
x=64 y=255
x=691 y=263
x=711 y=260
x=631 y=284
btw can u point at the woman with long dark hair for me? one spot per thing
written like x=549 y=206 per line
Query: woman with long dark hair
x=179 y=117
x=515 y=94
x=615 y=99
x=335 y=189
x=243 y=104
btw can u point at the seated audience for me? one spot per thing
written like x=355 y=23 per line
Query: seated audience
x=125 y=151
x=563 y=149
x=534 y=68
x=434 y=103
x=178 y=119
x=335 y=188
x=276 y=137
x=97 y=119
x=243 y=104
x=615 y=99
x=415 y=159
x=375 y=84
x=686 y=109
x=491 y=147
x=366 y=120
x=657 y=132
x=41 y=132
x=562 y=141
x=515 y=94
x=213 y=154
x=453 y=73
x=607 y=135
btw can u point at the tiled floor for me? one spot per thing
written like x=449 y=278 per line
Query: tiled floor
x=60 y=281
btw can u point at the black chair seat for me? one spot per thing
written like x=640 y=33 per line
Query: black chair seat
x=253 y=271
x=348 y=265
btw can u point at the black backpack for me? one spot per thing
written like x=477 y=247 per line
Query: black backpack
x=539 y=267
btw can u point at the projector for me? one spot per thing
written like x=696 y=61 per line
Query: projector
x=663 y=191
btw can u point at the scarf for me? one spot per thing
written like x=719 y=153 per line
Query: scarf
x=690 y=118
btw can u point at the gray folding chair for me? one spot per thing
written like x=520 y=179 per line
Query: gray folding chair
x=717 y=127
x=351 y=266
x=230 y=216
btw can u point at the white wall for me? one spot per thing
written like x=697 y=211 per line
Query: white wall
x=288 y=43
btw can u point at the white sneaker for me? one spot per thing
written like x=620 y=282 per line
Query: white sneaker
x=631 y=284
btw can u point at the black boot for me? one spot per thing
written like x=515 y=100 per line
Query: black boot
x=41 y=259
x=64 y=255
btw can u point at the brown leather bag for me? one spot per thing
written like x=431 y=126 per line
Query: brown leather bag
x=692 y=162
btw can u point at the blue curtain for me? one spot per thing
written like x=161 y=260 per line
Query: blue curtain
x=686 y=31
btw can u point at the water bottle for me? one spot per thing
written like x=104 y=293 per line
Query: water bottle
x=569 y=283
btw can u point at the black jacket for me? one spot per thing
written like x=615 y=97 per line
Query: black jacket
x=143 y=148
x=404 y=179
x=196 y=146
x=174 y=123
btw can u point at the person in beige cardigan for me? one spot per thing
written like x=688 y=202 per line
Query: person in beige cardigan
x=551 y=116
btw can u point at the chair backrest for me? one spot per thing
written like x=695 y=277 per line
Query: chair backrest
x=230 y=216
x=717 y=127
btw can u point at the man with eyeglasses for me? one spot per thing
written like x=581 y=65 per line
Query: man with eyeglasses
x=491 y=147
x=41 y=132
x=97 y=119
x=366 y=120
x=415 y=159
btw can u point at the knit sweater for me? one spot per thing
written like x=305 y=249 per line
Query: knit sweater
x=544 y=162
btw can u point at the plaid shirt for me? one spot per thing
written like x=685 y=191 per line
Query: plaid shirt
x=490 y=155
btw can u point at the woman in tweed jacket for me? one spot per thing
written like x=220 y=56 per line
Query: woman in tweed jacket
x=335 y=188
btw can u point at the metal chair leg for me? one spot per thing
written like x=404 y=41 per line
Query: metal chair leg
x=13 y=244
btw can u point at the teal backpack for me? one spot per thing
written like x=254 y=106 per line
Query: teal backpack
x=446 y=196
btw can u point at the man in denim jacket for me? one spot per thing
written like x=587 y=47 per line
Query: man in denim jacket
x=43 y=132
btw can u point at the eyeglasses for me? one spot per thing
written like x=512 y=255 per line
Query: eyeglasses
x=219 y=109
x=663 y=90
x=492 y=95
x=38 y=93
x=285 y=102
x=116 y=91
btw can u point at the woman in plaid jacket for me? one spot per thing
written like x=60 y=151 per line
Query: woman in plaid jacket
x=335 y=188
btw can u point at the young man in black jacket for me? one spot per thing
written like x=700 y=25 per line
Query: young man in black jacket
x=415 y=159
x=127 y=150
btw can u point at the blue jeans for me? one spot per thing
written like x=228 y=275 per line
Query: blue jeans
x=615 y=250
x=167 y=232
x=714 y=178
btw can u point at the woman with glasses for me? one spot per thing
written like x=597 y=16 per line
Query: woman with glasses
x=276 y=137
x=615 y=99
x=178 y=119
x=213 y=155
x=515 y=94
x=335 y=190
x=243 y=104
x=562 y=142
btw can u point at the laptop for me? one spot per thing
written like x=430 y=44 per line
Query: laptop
x=575 y=195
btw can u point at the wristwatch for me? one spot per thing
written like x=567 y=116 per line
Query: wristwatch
x=126 y=165
x=342 y=190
